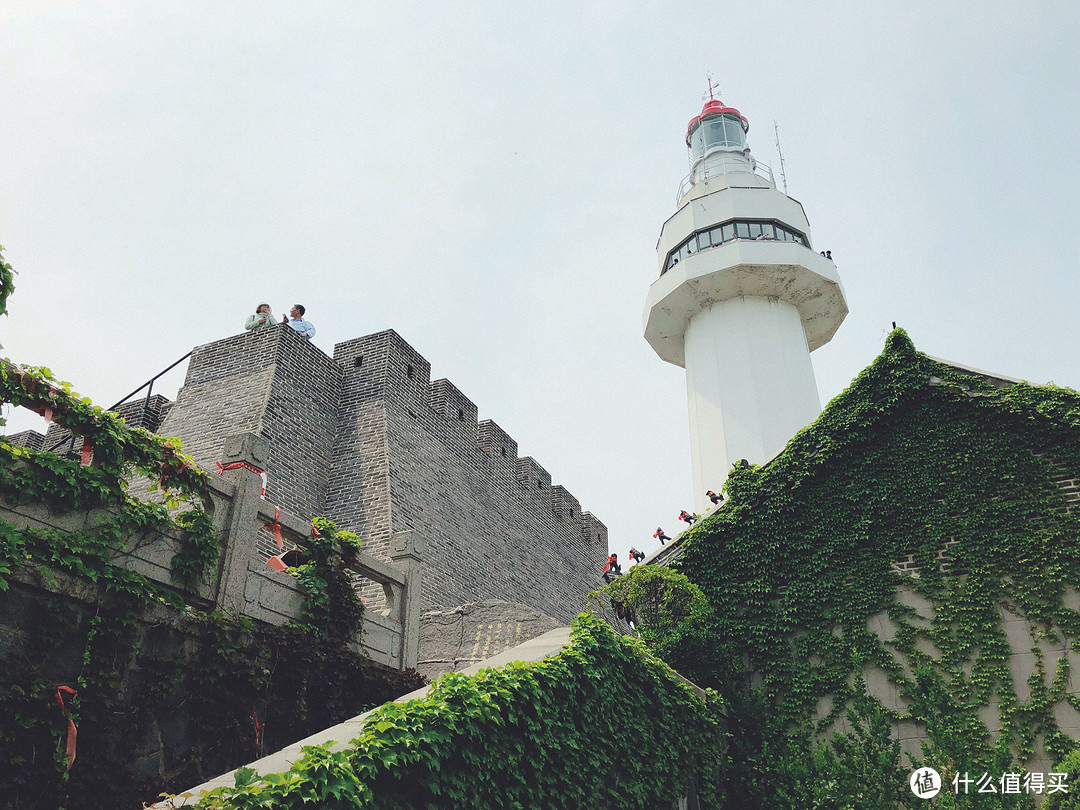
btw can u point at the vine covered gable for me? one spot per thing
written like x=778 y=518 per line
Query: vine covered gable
x=917 y=545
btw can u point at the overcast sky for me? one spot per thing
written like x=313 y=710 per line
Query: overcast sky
x=489 y=179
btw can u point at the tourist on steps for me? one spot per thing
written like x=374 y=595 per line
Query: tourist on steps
x=612 y=569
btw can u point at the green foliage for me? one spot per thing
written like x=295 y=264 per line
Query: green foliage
x=331 y=607
x=1069 y=765
x=546 y=734
x=7 y=282
x=118 y=453
x=143 y=656
x=674 y=619
x=658 y=598
x=201 y=550
x=201 y=677
x=860 y=769
x=915 y=460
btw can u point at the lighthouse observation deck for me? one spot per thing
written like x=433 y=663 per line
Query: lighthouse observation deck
x=708 y=238
x=718 y=165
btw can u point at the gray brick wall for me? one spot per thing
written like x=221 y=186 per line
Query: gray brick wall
x=27 y=438
x=368 y=440
x=272 y=382
x=494 y=526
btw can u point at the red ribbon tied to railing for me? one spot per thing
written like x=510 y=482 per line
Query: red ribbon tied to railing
x=237 y=465
x=71 y=732
x=87 y=452
x=276 y=526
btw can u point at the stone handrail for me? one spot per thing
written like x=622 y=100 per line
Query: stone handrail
x=242 y=582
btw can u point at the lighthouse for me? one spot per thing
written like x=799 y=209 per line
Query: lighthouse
x=742 y=299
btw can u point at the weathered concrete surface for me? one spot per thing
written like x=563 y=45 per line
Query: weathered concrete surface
x=451 y=640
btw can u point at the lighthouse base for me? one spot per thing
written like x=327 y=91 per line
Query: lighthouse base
x=749 y=383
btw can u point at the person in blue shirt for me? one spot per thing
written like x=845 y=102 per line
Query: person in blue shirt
x=295 y=319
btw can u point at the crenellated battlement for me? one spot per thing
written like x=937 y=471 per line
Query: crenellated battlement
x=369 y=440
x=446 y=399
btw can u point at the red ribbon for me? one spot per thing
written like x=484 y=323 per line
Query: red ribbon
x=236 y=465
x=276 y=526
x=314 y=531
x=43 y=410
x=258 y=733
x=71 y=732
x=87 y=451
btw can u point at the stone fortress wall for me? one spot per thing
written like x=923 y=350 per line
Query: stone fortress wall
x=368 y=440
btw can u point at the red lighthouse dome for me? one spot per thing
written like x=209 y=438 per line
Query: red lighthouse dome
x=715 y=107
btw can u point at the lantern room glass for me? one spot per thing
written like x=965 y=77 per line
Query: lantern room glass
x=717 y=132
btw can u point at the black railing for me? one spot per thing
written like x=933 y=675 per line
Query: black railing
x=148 y=385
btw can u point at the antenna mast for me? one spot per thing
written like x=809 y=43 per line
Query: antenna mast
x=712 y=86
x=783 y=176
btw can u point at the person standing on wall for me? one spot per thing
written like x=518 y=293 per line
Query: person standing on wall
x=263 y=317
x=295 y=319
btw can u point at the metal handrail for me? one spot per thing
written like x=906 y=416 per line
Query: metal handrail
x=148 y=385
x=760 y=169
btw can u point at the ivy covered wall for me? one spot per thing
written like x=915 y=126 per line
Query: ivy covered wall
x=601 y=724
x=894 y=569
x=163 y=700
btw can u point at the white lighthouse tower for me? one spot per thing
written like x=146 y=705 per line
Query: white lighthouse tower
x=742 y=300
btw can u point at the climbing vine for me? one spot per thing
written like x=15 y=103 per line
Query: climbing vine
x=600 y=724
x=111 y=454
x=7 y=282
x=331 y=607
x=673 y=618
x=162 y=694
x=918 y=462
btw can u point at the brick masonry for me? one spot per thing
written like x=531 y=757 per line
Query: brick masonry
x=368 y=440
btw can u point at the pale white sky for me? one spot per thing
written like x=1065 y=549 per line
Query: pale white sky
x=490 y=180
